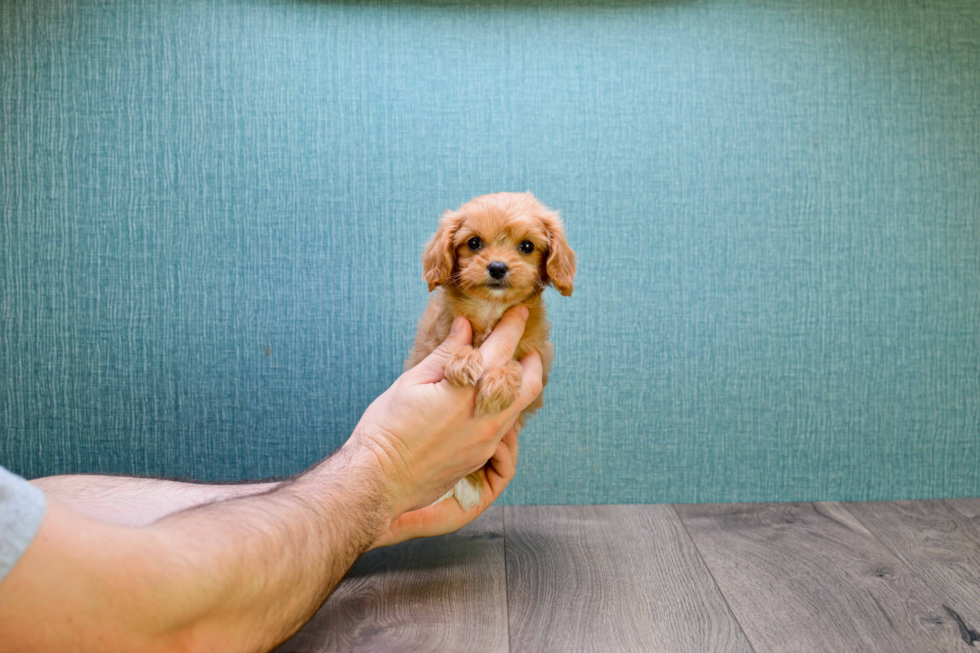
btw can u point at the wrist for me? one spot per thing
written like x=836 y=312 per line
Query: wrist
x=373 y=469
x=350 y=482
x=380 y=451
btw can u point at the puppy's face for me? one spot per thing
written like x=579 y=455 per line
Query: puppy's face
x=502 y=247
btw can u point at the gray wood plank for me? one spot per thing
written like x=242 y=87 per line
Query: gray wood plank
x=966 y=507
x=940 y=545
x=440 y=594
x=611 y=578
x=812 y=578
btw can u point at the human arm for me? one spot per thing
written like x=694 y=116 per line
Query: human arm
x=243 y=574
x=135 y=501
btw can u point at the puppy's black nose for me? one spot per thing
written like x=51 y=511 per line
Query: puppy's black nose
x=497 y=269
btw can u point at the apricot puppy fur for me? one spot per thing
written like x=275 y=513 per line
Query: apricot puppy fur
x=494 y=252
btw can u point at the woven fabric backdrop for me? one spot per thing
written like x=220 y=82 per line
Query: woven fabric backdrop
x=212 y=213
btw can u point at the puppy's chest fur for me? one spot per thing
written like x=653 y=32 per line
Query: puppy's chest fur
x=484 y=317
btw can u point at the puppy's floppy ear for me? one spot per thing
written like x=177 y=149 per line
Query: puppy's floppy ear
x=560 y=265
x=437 y=262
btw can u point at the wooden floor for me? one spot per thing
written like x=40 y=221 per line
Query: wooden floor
x=888 y=576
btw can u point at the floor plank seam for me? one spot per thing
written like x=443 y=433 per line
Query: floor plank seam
x=503 y=527
x=713 y=579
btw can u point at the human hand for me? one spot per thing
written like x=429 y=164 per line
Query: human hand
x=448 y=516
x=425 y=435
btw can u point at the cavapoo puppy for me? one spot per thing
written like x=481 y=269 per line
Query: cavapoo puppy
x=494 y=252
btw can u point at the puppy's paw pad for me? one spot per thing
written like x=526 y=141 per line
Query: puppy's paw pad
x=468 y=491
x=465 y=367
x=498 y=389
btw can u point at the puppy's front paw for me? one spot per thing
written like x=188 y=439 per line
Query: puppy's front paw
x=498 y=389
x=465 y=367
x=468 y=491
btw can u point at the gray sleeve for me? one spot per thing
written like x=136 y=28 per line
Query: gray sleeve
x=21 y=510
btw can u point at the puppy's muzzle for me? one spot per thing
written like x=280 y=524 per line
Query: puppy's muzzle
x=497 y=270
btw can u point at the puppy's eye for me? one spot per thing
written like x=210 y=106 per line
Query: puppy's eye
x=474 y=243
x=526 y=246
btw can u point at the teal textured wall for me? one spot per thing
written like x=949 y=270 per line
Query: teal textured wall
x=212 y=211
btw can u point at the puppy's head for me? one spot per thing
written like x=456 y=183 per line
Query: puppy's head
x=501 y=247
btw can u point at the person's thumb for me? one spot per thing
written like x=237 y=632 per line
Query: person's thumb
x=432 y=368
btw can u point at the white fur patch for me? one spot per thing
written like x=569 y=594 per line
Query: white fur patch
x=466 y=492
x=490 y=312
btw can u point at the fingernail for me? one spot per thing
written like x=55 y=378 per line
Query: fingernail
x=525 y=312
x=457 y=325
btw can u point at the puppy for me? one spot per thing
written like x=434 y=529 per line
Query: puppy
x=494 y=252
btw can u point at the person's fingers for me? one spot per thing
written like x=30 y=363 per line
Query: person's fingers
x=504 y=461
x=511 y=441
x=500 y=346
x=503 y=465
x=432 y=368
x=506 y=427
